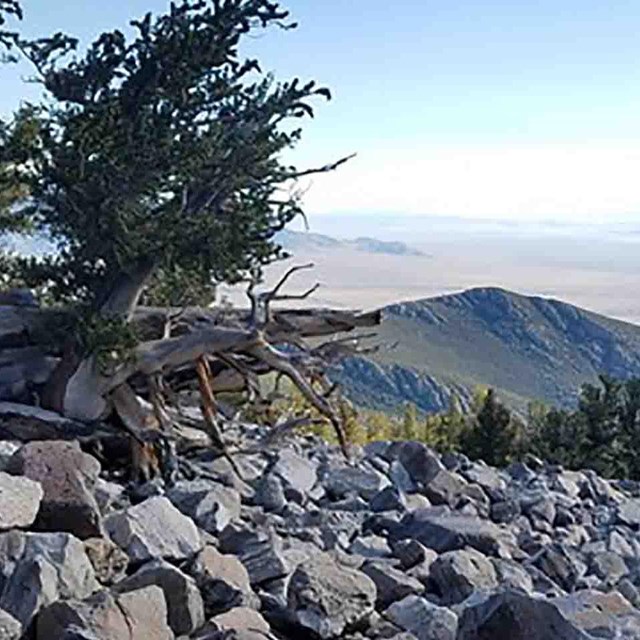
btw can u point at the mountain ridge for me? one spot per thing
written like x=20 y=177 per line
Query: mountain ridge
x=526 y=347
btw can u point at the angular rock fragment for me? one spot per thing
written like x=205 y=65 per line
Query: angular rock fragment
x=19 y=501
x=210 y=504
x=136 y=615
x=327 y=599
x=442 y=531
x=511 y=615
x=185 y=608
x=223 y=581
x=391 y=584
x=154 y=529
x=37 y=569
x=68 y=477
x=457 y=574
x=426 y=621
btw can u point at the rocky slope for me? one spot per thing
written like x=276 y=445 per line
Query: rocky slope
x=525 y=347
x=401 y=544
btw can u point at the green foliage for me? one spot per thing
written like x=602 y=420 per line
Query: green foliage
x=602 y=434
x=162 y=147
x=110 y=340
x=179 y=287
x=492 y=436
x=8 y=8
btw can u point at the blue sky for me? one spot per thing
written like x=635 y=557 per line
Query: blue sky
x=513 y=110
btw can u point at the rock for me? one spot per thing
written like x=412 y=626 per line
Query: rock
x=259 y=551
x=109 y=495
x=68 y=477
x=629 y=591
x=608 y=566
x=444 y=488
x=603 y=615
x=25 y=423
x=411 y=552
x=486 y=477
x=297 y=473
x=426 y=621
x=7 y=449
x=505 y=511
x=270 y=494
x=511 y=615
x=185 y=608
x=512 y=575
x=391 y=584
x=420 y=462
x=457 y=574
x=328 y=599
x=541 y=511
x=442 y=531
x=628 y=513
x=389 y=499
x=562 y=567
x=109 y=561
x=223 y=581
x=210 y=504
x=37 y=569
x=401 y=479
x=137 y=615
x=370 y=547
x=241 y=619
x=343 y=481
x=10 y=628
x=19 y=501
x=154 y=529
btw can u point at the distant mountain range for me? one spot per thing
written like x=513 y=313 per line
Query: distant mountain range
x=527 y=348
x=294 y=241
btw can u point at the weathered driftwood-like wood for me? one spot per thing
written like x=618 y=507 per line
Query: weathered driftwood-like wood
x=220 y=349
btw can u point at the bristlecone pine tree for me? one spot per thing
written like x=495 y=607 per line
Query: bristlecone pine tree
x=158 y=154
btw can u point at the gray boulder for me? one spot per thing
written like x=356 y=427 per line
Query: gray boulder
x=185 y=608
x=240 y=619
x=342 y=481
x=10 y=628
x=608 y=566
x=25 y=422
x=628 y=512
x=297 y=472
x=391 y=584
x=261 y=552
x=154 y=529
x=223 y=581
x=445 y=531
x=68 y=477
x=511 y=615
x=423 y=619
x=457 y=574
x=210 y=504
x=270 y=494
x=136 y=615
x=37 y=569
x=327 y=599
x=512 y=575
x=19 y=501
x=603 y=615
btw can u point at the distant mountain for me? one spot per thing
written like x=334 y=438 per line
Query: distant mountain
x=527 y=348
x=306 y=241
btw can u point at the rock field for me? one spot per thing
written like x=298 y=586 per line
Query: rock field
x=400 y=544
